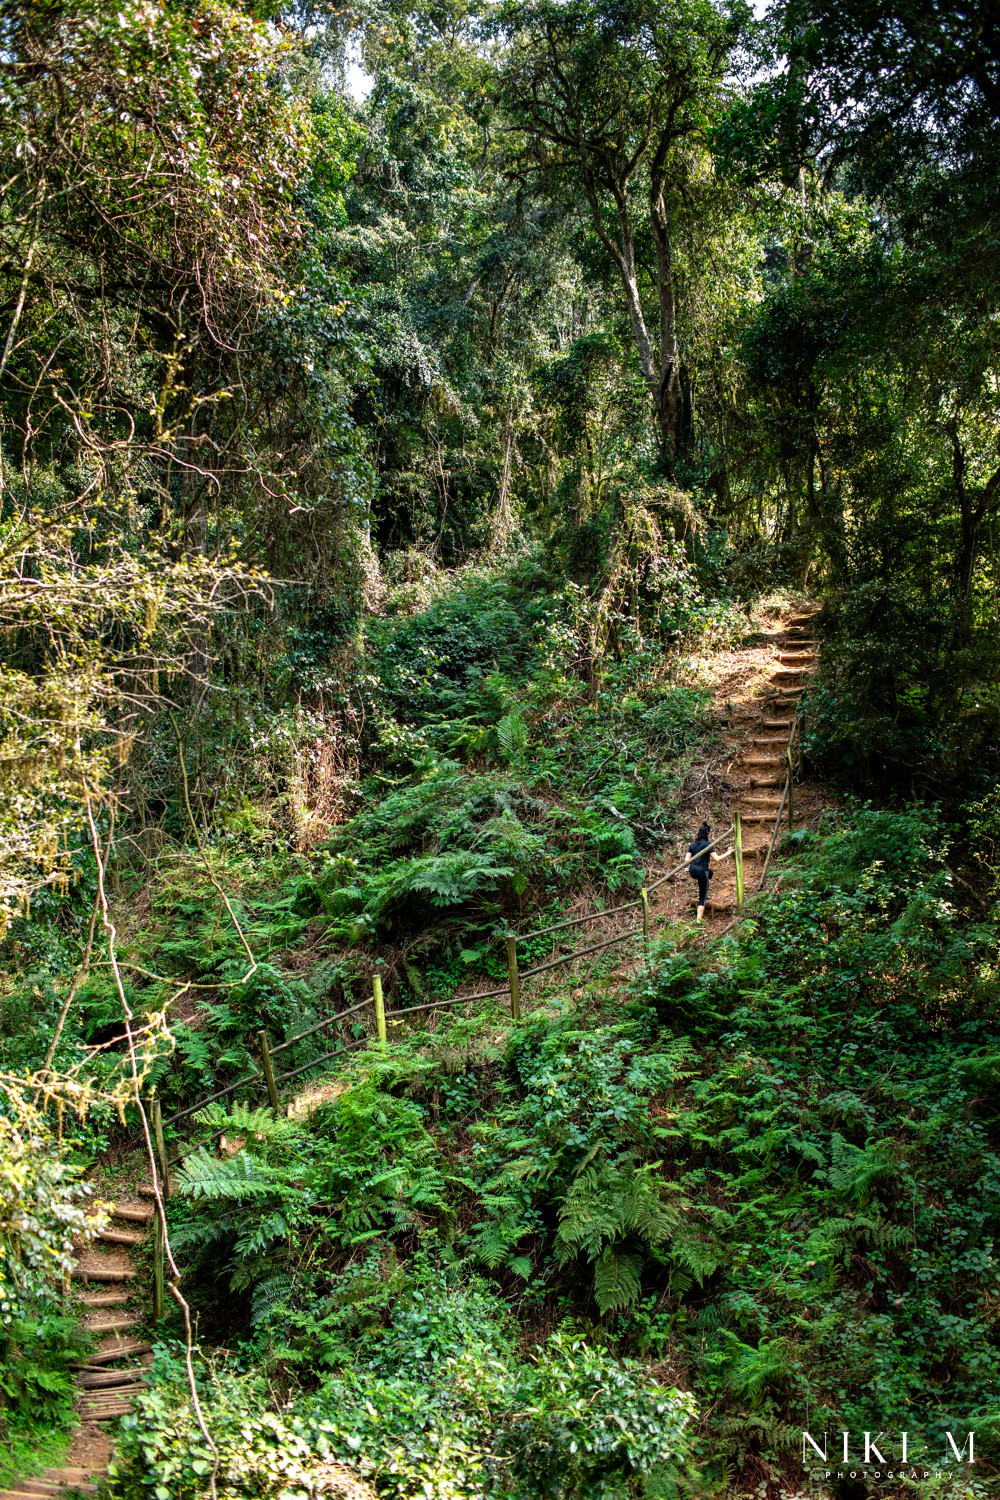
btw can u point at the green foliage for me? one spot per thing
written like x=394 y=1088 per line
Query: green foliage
x=42 y=1217
x=479 y=1422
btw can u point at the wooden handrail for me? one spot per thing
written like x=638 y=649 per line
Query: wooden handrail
x=781 y=804
x=254 y=1079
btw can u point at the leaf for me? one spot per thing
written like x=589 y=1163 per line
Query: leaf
x=617 y=1280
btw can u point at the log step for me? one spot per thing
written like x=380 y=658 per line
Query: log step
x=57 y=1486
x=134 y=1213
x=109 y=1325
x=120 y=1236
x=103 y=1299
x=127 y=1348
x=92 y=1380
x=105 y=1413
x=80 y=1273
x=33 y=1494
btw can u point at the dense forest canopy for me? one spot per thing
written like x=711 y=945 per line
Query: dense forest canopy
x=390 y=398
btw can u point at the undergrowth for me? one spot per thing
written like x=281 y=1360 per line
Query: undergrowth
x=501 y=773
x=770 y=1178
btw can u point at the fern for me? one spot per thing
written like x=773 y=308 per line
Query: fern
x=269 y=1296
x=591 y=1216
x=259 y=1125
x=606 y=1209
x=512 y=736
x=449 y=879
x=237 y=1179
x=605 y=1203
x=617 y=1280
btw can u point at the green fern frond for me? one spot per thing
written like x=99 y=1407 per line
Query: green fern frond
x=235 y=1179
x=617 y=1280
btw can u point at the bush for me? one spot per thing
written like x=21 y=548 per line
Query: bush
x=42 y=1215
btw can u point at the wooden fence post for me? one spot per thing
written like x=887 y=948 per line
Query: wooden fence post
x=515 y=981
x=645 y=915
x=265 y=1057
x=379 y=1008
x=157 y=1267
x=161 y=1149
x=790 y=778
x=738 y=860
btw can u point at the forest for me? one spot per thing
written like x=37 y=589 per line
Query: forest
x=449 y=451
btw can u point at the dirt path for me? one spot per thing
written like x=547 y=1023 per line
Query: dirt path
x=108 y=1379
x=755 y=689
x=759 y=772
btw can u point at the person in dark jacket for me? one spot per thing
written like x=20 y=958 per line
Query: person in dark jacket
x=699 y=860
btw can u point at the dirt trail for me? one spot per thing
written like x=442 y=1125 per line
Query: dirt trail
x=756 y=691
x=755 y=688
x=108 y=1379
x=760 y=769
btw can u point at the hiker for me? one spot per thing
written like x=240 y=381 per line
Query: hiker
x=699 y=862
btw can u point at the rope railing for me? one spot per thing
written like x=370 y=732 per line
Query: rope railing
x=786 y=796
x=266 y=1076
x=515 y=974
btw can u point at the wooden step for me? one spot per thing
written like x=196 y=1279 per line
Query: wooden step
x=96 y=1273
x=23 y=1493
x=94 y=1323
x=109 y=1413
x=58 y=1486
x=134 y=1213
x=785 y=724
x=120 y=1237
x=127 y=1349
x=763 y=761
x=102 y=1299
x=92 y=1380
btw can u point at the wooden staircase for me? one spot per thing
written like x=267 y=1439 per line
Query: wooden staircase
x=764 y=759
x=108 y=1379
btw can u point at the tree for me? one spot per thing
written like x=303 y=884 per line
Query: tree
x=614 y=98
x=902 y=100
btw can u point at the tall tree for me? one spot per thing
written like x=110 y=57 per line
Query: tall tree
x=615 y=98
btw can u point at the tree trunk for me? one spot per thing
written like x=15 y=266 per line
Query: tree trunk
x=668 y=393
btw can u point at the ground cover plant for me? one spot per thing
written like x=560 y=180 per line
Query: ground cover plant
x=405 y=412
x=483 y=794
x=774 y=1179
